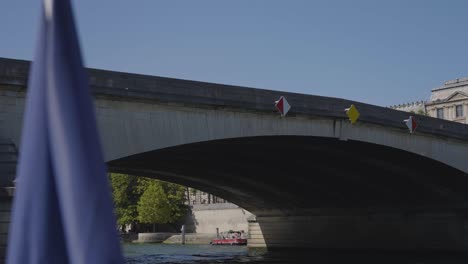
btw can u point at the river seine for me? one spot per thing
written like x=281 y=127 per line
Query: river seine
x=165 y=253
x=207 y=254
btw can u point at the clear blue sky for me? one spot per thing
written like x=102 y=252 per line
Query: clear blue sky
x=379 y=52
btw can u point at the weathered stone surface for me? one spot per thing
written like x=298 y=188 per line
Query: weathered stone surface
x=207 y=218
x=398 y=231
x=198 y=238
x=152 y=237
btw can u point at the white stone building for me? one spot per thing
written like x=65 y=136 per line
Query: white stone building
x=413 y=107
x=195 y=197
x=449 y=102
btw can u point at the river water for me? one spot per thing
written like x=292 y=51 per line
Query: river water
x=167 y=253
x=207 y=254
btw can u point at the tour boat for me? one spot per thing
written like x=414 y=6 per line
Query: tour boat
x=230 y=238
x=229 y=241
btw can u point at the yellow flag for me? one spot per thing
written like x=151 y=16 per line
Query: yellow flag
x=352 y=113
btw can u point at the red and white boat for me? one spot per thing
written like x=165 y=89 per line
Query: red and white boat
x=230 y=238
x=229 y=241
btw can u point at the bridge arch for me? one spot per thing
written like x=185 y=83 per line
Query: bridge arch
x=138 y=127
x=286 y=173
x=405 y=192
x=315 y=192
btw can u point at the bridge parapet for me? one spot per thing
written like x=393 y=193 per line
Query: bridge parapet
x=128 y=86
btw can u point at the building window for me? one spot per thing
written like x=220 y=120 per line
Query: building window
x=459 y=111
x=440 y=113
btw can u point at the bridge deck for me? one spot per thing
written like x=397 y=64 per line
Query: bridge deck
x=202 y=94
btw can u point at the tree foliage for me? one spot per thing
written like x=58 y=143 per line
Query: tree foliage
x=154 y=206
x=161 y=202
x=145 y=200
x=125 y=197
x=176 y=197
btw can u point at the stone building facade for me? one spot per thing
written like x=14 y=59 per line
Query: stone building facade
x=449 y=102
x=418 y=107
x=195 y=197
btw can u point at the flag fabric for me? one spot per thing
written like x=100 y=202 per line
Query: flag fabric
x=62 y=211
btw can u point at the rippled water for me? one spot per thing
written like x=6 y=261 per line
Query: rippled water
x=207 y=254
x=163 y=253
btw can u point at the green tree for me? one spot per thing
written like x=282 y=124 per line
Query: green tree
x=154 y=207
x=125 y=196
x=144 y=200
x=161 y=202
x=176 y=196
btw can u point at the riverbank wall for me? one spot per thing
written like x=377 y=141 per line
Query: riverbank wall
x=206 y=218
x=201 y=224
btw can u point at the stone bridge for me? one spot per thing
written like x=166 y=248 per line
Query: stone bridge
x=312 y=179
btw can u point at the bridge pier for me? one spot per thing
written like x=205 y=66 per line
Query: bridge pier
x=5 y=214
x=384 y=231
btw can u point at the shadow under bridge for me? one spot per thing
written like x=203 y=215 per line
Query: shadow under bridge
x=316 y=192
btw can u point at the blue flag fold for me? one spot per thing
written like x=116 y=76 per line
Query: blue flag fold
x=62 y=210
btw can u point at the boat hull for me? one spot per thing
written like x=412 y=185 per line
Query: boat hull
x=229 y=241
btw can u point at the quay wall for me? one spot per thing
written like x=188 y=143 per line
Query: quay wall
x=225 y=216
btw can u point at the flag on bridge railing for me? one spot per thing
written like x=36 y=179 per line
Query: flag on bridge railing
x=62 y=210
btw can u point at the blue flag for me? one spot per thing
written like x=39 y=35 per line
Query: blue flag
x=62 y=210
